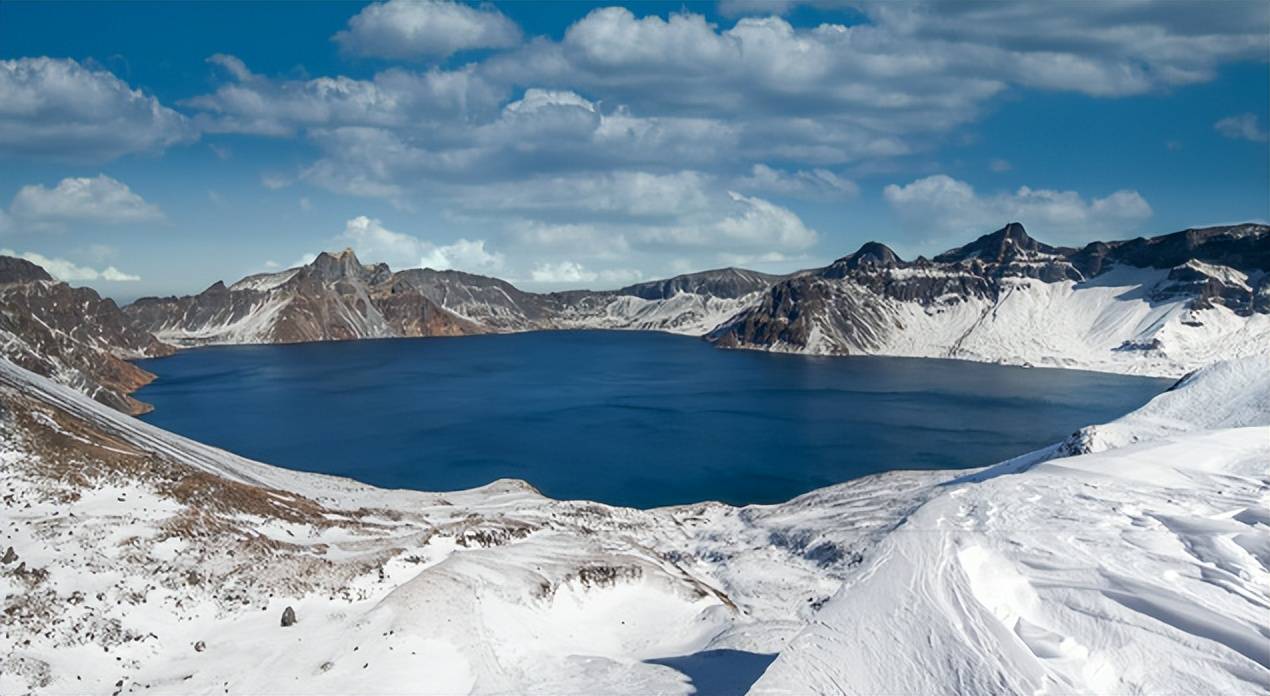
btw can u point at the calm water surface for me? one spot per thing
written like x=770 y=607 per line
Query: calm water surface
x=641 y=419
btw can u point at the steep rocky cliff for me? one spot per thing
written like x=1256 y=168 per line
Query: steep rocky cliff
x=72 y=335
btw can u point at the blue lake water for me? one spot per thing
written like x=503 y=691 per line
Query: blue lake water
x=630 y=418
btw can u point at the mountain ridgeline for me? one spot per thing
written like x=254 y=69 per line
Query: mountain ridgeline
x=1161 y=306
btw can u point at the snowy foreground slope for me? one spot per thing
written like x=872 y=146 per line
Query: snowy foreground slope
x=1141 y=567
x=147 y=563
x=144 y=559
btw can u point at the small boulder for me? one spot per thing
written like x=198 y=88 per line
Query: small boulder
x=288 y=617
x=9 y=556
x=200 y=646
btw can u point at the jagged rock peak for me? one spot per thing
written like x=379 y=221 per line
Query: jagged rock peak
x=15 y=270
x=343 y=264
x=998 y=246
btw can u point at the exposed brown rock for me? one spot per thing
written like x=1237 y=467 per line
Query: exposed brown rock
x=72 y=335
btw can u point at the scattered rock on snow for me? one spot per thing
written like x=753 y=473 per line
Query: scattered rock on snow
x=288 y=617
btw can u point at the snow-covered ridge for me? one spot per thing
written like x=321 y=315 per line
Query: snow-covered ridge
x=143 y=559
x=1159 y=306
x=1146 y=306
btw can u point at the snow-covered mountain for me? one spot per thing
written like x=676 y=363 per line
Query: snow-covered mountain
x=72 y=335
x=135 y=560
x=336 y=297
x=1161 y=306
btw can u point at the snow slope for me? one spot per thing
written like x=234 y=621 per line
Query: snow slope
x=148 y=563
x=145 y=561
x=1140 y=568
x=1112 y=323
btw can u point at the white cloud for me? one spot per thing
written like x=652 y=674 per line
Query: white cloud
x=587 y=239
x=64 y=270
x=764 y=223
x=572 y=273
x=632 y=194
x=426 y=28
x=1241 y=127
x=620 y=92
x=941 y=203
x=96 y=199
x=465 y=254
x=59 y=108
x=814 y=183
x=562 y=272
x=394 y=98
x=374 y=243
x=1100 y=49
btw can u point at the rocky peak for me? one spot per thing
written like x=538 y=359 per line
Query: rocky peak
x=1008 y=242
x=15 y=270
x=874 y=254
x=331 y=267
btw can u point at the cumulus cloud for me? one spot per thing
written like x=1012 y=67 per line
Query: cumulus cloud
x=425 y=28
x=1100 y=49
x=59 y=108
x=760 y=222
x=394 y=98
x=1241 y=127
x=941 y=203
x=64 y=270
x=632 y=194
x=374 y=243
x=95 y=199
x=578 y=238
x=814 y=183
x=624 y=92
x=572 y=273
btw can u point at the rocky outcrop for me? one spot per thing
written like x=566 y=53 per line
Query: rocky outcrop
x=72 y=335
x=334 y=298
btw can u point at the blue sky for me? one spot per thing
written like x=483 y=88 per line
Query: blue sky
x=156 y=148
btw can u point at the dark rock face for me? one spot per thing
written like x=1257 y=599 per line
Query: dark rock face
x=72 y=335
x=1229 y=266
x=15 y=270
x=728 y=283
x=1242 y=247
x=288 y=617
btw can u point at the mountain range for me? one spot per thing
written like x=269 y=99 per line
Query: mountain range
x=1158 y=306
